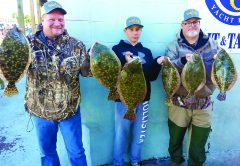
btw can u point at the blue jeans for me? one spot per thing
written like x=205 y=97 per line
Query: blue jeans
x=122 y=128
x=71 y=129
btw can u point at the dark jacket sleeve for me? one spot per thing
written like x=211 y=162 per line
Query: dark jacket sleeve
x=85 y=61
x=119 y=55
x=155 y=69
x=183 y=60
x=151 y=69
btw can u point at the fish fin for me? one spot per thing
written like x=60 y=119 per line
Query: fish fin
x=168 y=101
x=124 y=76
x=10 y=90
x=113 y=94
x=130 y=115
x=1 y=50
x=221 y=96
x=2 y=84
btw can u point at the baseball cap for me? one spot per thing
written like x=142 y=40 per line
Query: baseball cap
x=50 y=6
x=191 y=13
x=133 y=20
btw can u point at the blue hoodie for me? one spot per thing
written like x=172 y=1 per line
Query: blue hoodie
x=150 y=66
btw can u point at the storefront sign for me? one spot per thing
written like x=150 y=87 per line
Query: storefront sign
x=230 y=41
x=226 y=11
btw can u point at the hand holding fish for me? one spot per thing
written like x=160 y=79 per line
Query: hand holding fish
x=128 y=56
x=161 y=59
x=189 y=57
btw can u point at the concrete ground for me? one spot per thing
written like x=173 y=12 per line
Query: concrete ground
x=226 y=158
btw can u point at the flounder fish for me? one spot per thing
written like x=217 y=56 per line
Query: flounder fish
x=131 y=86
x=171 y=79
x=193 y=76
x=224 y=74
x=105 y=67
x=15 y=58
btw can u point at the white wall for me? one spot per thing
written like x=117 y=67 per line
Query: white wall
x=104 y=21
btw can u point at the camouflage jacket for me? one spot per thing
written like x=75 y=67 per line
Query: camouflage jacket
x=207 y=48
x=53 y=87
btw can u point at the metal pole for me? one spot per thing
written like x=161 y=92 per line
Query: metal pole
x=38 y=12
x=33 y=24
x=20 y=17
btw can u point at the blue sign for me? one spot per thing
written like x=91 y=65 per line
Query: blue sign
x=229 y=41
x=226 y=11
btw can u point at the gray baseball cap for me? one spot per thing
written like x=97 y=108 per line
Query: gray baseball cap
x=133 y=20
x=191 y=13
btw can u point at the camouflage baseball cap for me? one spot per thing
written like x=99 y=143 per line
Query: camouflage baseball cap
x=50 y=6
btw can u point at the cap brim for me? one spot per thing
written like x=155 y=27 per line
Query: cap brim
x=133 y=25
x=58 y=9
x=193 y=17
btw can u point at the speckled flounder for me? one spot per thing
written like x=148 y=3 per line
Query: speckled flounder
x=224 y=74
x=15 y=57
x=194 y=75
x=105 y=67
x=171 y=78
x=132 y=86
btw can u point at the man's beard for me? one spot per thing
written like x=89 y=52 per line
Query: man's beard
x=192 y=33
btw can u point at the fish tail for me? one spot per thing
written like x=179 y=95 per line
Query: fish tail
x=10 y=90
x=113 y=94
x=221 y=96
x=130 y=115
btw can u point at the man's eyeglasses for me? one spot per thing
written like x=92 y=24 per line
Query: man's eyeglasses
x=191 y=23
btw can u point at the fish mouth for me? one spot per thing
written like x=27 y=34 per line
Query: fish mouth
x=135 y=60
x=134 y=64
x=196 y=57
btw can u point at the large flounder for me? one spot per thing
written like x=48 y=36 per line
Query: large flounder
x=193 y=75
x=15 y=58
x=132 y=86
x=224 y=74
x=105 y=67
x=171 y=78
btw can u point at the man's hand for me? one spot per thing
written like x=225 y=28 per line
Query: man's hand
x=8 y=29
x=189 y=57
x=128 y=56
x=215 y=56
x=161 y=59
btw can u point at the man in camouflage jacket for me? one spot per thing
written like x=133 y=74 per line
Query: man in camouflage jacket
x=53 y=87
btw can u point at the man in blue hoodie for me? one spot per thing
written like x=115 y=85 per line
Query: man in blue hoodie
x=125 y=51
